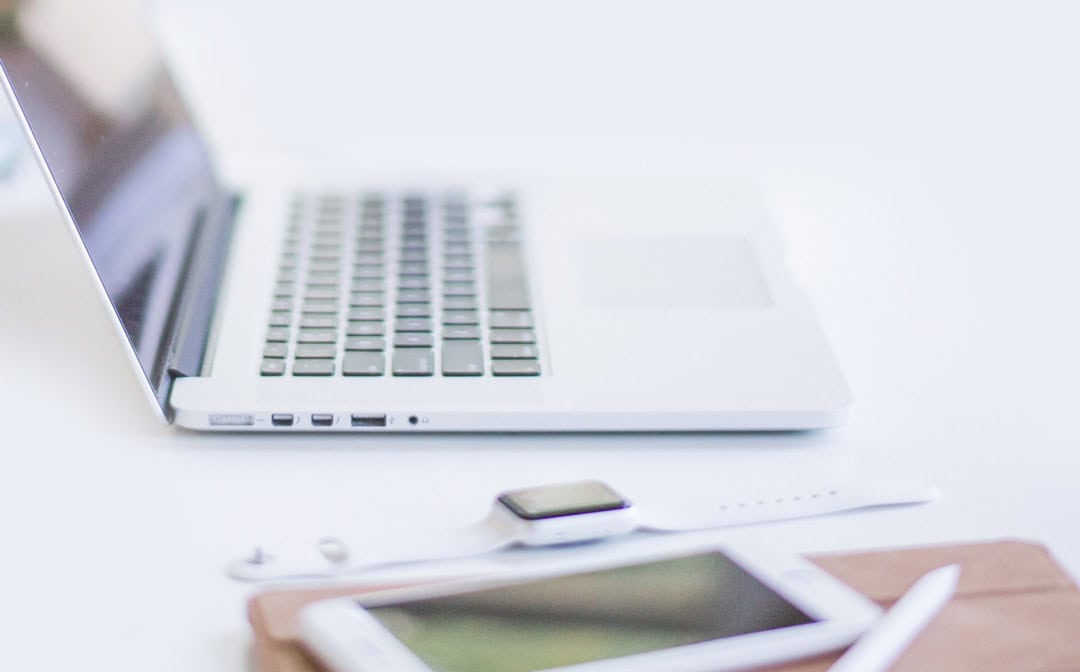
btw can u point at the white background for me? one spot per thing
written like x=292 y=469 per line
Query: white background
x=920 y=157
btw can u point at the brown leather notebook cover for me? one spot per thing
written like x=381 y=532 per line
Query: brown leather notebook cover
x=1014 y=609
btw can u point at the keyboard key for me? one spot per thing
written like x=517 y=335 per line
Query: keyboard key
x=413 y=324
x=456 y=232
x=284 y=290
x=275 y=351
x=363 y=257
x=328 y=229
x=317 y=336
x=414 y=283
x=364 y=329
x=313 y=367
x=412 y=269
x=281 y=304
x=363 y=300
x=277 y=335
x=460 y=303
x=462 y=358
x=363 y=364
x=515 y=367
x=323 y=321
x=316 y=351
x=328 y=226
x=459 y=263
x=517 y=319
x=414 y=310
x=512 y=336
x=368 y=272
x=325 y=267
x=365 y=343
x=463 y=289
x=367 y=314
x=413 y=362
x=514 y=352
x=370 y=241
x=325 y=306
x=280 y=319
x=368 y=285
x=413 y=296
x=505 y=231
x=463 y=333
x=321 y=293
x=506 y=286
x=272 y=367
x=413 y=340
x=459 y=276
x=459 y=318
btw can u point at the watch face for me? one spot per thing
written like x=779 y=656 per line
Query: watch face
x=565 y=499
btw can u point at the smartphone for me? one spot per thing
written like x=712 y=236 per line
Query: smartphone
x=635 y=608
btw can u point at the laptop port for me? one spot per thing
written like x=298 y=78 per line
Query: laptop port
x=368 y=420
x=232 y=420
x=322 y=419
x=282 y=419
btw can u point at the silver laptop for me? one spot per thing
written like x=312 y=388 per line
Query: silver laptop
x=359 y=306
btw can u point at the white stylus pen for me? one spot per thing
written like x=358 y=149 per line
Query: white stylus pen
x=897 y=629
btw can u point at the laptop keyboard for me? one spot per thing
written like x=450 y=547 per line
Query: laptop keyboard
x=410 y=286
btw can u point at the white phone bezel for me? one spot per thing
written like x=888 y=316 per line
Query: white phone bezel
x=348 y=639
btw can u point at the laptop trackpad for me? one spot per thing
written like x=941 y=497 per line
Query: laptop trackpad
x=695 y=272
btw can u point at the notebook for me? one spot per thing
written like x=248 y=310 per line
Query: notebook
x=334 y=303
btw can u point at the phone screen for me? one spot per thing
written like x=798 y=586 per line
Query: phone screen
x=587 y=617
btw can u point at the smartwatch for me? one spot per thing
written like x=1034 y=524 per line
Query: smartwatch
x=569 y=513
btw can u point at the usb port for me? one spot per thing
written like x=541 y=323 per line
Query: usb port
x=322 y=419
x=368 y=420
x=282 y=419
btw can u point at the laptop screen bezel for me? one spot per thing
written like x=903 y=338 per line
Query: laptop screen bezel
x=178 y=353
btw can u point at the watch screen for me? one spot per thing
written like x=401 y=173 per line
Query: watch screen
x=552 y=501
x=570 y=620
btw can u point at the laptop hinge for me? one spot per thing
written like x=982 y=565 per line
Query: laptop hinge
x=193 y=304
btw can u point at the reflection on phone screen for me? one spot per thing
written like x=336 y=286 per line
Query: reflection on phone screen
x=587 y=617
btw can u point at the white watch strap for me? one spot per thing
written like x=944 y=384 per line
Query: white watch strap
x=812 y=502
x=332 y=556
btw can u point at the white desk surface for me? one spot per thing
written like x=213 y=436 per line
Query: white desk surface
x=922 y=159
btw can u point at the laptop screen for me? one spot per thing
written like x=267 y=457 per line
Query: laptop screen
x=134 y=175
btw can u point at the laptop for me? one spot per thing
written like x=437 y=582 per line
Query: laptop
x=354 y=305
